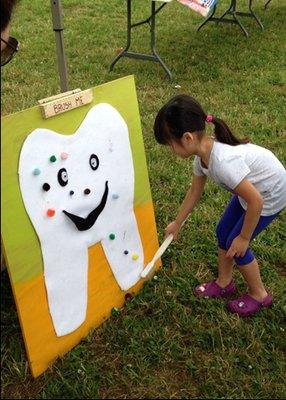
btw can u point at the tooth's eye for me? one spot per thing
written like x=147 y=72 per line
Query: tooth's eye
x=93 y=162
x=63 y=177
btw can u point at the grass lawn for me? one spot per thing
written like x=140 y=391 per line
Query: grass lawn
x=165 y=343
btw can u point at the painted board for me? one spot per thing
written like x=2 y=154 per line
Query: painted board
x=78 y=222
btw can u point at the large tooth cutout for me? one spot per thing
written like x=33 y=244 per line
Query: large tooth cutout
x=78 y=199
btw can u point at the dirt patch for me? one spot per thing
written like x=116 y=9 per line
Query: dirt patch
x=280 y=265
x=23 y=390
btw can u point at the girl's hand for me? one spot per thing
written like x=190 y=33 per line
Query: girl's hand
x=173 y=228
x=238 y=247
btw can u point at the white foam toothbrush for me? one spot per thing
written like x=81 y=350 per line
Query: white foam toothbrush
x=150 y=266
x=145 y=274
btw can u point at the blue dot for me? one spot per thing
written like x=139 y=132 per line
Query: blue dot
x=36 y=171
x=115 y=196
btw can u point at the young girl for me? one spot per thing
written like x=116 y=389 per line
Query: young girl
x=253 y=174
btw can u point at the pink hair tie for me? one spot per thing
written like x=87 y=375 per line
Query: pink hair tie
x=209 y=118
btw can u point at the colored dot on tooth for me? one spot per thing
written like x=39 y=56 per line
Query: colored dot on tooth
x=46 y=187
x=112 y=236
x=64 y=156
x=51 y=212
x=53 y=158
x=126 y=252
x=115 y=196
x=135 y=257
x=36 y=171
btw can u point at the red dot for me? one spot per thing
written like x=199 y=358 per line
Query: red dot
x=128 y=296
x=51 y=212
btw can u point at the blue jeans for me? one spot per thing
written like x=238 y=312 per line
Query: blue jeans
x=230 y=225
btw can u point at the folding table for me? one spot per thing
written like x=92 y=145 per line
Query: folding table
x=151 y=22
x=234 y=13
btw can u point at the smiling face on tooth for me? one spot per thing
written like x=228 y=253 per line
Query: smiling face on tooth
x=78 y=190
x=74 y=197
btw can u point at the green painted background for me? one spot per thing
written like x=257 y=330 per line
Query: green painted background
x=20 y=241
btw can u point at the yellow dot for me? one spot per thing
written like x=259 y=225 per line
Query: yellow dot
x=135 y=257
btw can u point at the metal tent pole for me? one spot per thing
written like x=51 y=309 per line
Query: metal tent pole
x=58 y=29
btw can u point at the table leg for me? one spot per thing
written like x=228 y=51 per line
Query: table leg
x=266 y=4
x=234 y=14
x=153 y=40
x=151 y=22
x=254 y=15
x=210 y=17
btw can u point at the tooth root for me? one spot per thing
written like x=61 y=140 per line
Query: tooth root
x=126 y=270
x=66 y=283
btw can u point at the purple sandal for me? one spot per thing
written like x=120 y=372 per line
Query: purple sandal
x=212 y=289
x=246 y=306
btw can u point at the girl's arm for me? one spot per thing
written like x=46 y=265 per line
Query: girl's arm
x=254 y=202
x=192 y=198
x=190 y=201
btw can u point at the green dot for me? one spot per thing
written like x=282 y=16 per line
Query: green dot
x=53 y=158
x=114 y=311
x=112 y=236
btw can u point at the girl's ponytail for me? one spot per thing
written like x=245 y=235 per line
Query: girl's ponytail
x=183 y=114
x=223 y=133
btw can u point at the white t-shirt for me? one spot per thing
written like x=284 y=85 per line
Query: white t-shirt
x=229 y=165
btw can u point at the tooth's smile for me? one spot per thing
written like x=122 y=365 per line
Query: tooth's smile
x=83 y=224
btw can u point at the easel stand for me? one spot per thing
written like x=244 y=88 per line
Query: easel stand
x=58 y=29
x=232 y=11
x=151 y=22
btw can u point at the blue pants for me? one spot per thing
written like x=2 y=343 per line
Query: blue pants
x=230 y=226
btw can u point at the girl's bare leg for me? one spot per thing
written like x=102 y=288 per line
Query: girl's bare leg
x=251 y=274
x=225 y=269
